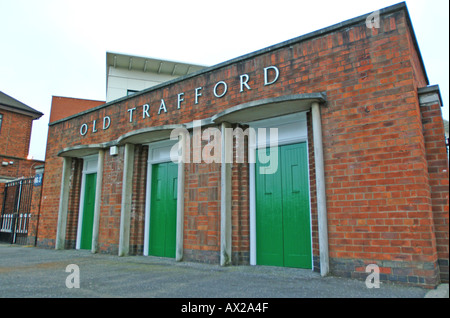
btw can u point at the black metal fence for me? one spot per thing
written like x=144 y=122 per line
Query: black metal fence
x=15 y=213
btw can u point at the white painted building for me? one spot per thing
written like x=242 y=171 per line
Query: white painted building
x=127 y=74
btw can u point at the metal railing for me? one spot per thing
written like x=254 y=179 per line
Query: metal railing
x=15 y=215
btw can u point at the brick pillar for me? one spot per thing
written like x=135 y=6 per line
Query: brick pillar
x=2 y=193
x=437 y=160
x=35 y=206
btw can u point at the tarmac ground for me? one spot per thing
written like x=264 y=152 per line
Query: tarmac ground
x=30 y=272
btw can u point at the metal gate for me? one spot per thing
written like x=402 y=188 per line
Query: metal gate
x=15 y=214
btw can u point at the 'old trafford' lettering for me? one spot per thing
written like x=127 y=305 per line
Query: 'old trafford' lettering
x=220 y=89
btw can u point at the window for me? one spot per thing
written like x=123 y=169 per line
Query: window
x=1 y=118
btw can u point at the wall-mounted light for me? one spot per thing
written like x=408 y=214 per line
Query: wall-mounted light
x=114 y=151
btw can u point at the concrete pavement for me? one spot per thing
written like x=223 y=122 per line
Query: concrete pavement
x=34 y=272
x=440 y=292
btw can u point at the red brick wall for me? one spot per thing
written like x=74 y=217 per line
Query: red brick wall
x=51 y=187
x=377 y=180
x=111 y=203
x=15 y=134
x=138 y=200
x=436 y=155
x=63 y=107
x=202 y=211
x=2 y=191
x=240 y=207
x=313 y=198
x=74 y=202
x=35 y=212
x=19 y=168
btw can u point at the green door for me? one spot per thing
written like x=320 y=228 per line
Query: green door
x=163 y=209
x=283 y=235
x=88 y=211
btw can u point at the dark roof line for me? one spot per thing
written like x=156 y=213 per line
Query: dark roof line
x=17 y=106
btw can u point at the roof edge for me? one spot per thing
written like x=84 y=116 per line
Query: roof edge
x=433 y=89
x=320 y=32
x=18 y=107
x=32 y=114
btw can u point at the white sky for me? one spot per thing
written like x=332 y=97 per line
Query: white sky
x=58 y=47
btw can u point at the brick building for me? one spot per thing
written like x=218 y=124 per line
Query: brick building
x=17 y=170
x=356 y=172
x=63 y=107
x=16 y=120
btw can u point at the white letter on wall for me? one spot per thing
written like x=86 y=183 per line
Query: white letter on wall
x=277 y=74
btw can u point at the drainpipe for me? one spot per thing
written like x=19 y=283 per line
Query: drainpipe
x=63 y=204
x=320 y=189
